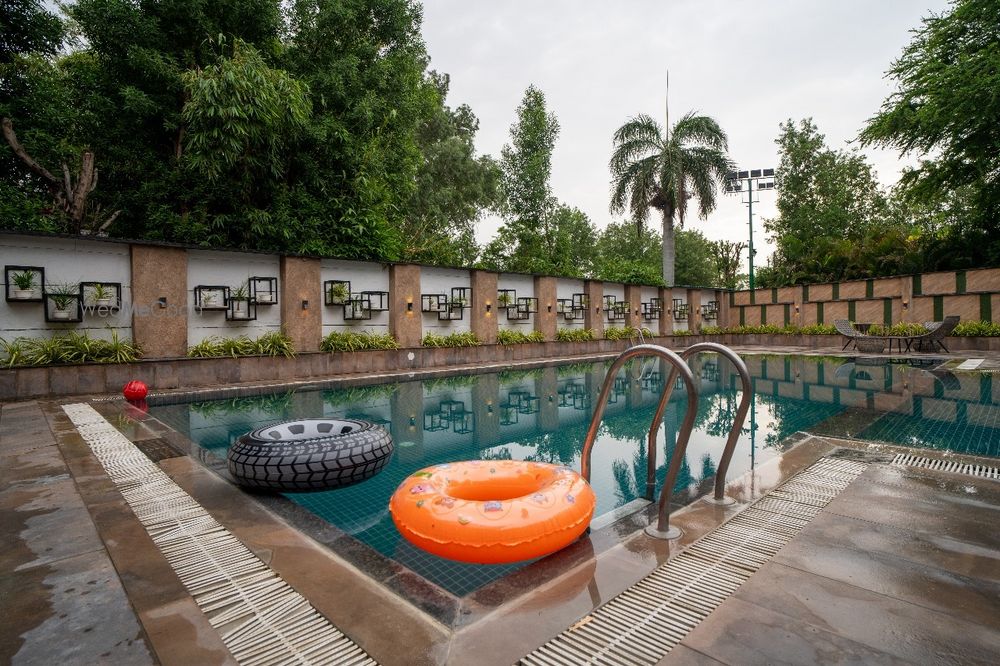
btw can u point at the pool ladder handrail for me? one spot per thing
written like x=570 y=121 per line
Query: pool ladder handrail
x=662 y=529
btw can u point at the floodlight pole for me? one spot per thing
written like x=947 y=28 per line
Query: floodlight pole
x=734 y=184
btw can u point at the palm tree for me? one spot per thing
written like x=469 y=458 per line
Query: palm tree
x=652 y=167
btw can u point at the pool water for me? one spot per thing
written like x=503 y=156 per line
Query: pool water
x=543 y=415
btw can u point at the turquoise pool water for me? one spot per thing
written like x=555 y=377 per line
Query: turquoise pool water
x=543 y=415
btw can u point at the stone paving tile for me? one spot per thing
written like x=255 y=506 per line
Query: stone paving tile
x=71 y=611
x=900 y=628
x=744 y=633
x=683 y=656
x=43 y=520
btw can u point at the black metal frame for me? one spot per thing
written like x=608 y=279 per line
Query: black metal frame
x=357 y=308
x=93 y=307
x=49 y=301
x=681 y=310
x=710 y=311
x=39 y=285
x=270 y=288
x=510 y=294
x=199 y=296
x=378 y=301
x=328 y=297
x=652 y=309
x=233 y=301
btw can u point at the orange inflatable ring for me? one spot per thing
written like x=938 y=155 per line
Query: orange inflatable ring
x=490 y=512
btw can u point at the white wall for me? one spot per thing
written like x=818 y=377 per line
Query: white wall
x=67 y=262
x=230 y=269
x=363 y=277
x=441 y=281
x=524 y=285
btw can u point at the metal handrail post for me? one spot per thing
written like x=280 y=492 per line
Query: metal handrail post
x=741 y=411
x=662 y=529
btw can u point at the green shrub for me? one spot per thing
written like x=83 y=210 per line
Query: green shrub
x=506 y=336
x=575 y=335
x=346 y=341
x=467 y=339
x=903 y=329
x=712 y=330
x=69 y=348
x=683 y=332
x=819 y=329
x=985 y=329
x=275 y=343
x=624 y=332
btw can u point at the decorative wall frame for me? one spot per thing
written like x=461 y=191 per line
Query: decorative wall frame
x=34 y=295
x=710 y=311
x=264 y=290
x=71 y=311
x=506 y=298
x=378 y=301
x=211 y=297
x=614 y=309
x=680 y=310
x=652 y=309
x=241 y=308
x=448 y=308
x=93 y=305
x=336 y=292
x=357 y=308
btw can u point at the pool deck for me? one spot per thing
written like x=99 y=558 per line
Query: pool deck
x=903 y=566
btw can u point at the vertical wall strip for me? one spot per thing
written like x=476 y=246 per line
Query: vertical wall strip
x=960 y=282
x=887 y=311
x=986 y=307
x=852 y=313
x=869 y=288
x=836 y=291
x=819 y=312
x=917 y=286
x=938 y=308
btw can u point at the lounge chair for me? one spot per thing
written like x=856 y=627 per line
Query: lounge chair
x=937 y=331
x=846 y=328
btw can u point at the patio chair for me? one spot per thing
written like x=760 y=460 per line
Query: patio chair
x=937 y=331
x=846 y=328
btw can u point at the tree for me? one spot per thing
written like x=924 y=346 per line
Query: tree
x=829 y=204
x=947 y=105
x=626 y=253
x=728 y=257
x=453 y=187
x=695 y=266
x=539 y=235
x=656 y=167
x=27 y=27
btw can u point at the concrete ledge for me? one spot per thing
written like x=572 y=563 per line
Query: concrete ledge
x=163 y=374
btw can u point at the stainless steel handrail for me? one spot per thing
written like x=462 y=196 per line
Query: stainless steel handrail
x=741 y=411
x=662 y=529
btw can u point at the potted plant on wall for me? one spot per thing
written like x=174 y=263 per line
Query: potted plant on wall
x=24 y=284
x=101 y=295
x=63 y=297
x=337 y=293
x=240 y=295
x=504 y=299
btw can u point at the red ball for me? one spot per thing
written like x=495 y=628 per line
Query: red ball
x=135 y=390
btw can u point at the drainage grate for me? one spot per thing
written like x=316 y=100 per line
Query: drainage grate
x=260 y=618
x=953 y=466
x=646 y=621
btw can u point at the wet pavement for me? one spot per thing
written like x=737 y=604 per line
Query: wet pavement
x=902 y=567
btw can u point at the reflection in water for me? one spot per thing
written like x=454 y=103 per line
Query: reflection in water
x=543 y=414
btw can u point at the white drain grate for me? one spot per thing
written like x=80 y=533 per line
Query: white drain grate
x=260 y=618
x=953 y=466
x=646 y=621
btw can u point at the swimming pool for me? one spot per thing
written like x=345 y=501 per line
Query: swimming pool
x=543 y=415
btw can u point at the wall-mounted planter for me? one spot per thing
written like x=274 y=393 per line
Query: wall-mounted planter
x=101 y=297
x=63 y=308
x=680 y=310
x=24 y=292
x=241 y=308
x=336 y=292
x=652 y=309
x=614 y=309
x=710 y=311
x=447 y=309
x=211 y=298
x=263 y=290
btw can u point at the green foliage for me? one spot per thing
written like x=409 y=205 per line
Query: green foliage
x=272 y=404
x=348 y=341
x=945 y=105
x=69 y=348
x=26 y=27
x=24 y=279
x=771 y=329
x=628 y=254
x=986 y=329
x=901 y=329
x=624 y=332
x=274 y=343
x=819 y=329
x=728 y=259
x=466 y=339
x=539 y=234
x=241 y=116
x=453 y=187
x=695 y=261
x=575 y=335
x=354 y=395
x=512 y=337
x=663 y=169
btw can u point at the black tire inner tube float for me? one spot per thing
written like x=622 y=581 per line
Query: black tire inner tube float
x=309 y=454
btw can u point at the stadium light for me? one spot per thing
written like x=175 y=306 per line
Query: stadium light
x=742 y=183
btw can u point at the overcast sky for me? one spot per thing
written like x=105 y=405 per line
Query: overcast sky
x=748 y=65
